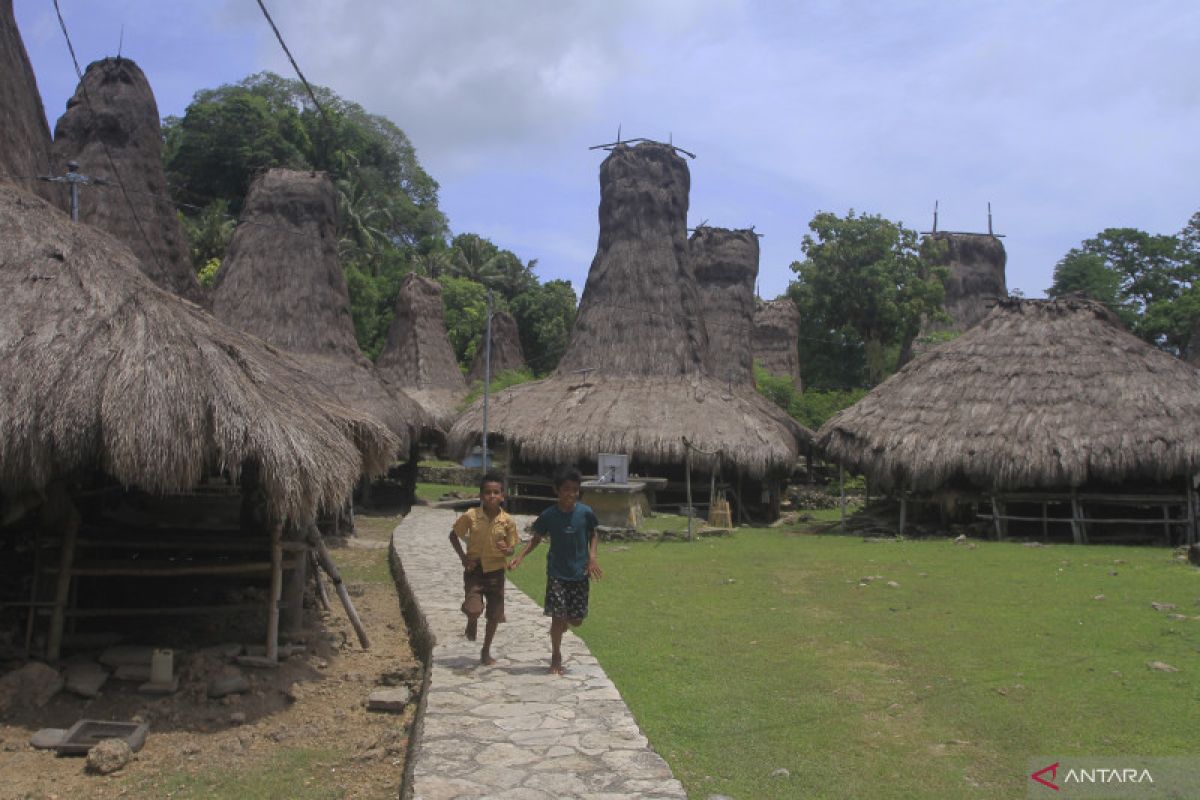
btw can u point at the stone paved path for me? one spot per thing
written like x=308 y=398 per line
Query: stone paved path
x=512 y=731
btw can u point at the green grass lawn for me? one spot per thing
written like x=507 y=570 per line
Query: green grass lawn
x=432 y=492
x=766 y=649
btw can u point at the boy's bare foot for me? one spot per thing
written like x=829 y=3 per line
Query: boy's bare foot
x=486 y=659
x=556 y=668
x=472 y=625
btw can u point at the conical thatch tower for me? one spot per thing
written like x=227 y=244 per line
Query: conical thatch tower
x=506 y=348
x=1042 y=394
x=418 y=356
x=726 y=265
x=776 y=330
x=24 y=135
x=281 y=282
x=633 y=377
x=977 y=280
x=102 y=371
x=123 y=117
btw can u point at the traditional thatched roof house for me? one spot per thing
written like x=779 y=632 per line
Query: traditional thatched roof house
x=113 y=116
x=281 y=281
x=633 y=378
x=1043 y=395
x=776 y=331
x=726 y=265
x=506 y=353
x=976 y=262
x=418 y=356
x=24 y=136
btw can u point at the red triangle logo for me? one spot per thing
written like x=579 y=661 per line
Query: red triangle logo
x=1053 y=770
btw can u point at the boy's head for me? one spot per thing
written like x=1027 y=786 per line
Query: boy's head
x=566 y=485
x=491 y=491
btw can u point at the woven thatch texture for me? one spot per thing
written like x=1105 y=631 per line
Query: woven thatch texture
x=976 y=262
x=418 y=356
x=506 y=348
x=123 y=118
x=1042 y=394
x=726 y=266
x=640 y=312
x=640 y=336
x=102 y=370
x=24 y=135
x=776 y=330
x=281 y=282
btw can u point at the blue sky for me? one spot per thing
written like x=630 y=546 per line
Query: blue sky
x=1069 y=117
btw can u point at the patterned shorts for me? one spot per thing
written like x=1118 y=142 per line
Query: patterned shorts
x=566 y=599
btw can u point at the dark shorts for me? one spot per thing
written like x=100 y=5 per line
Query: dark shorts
x=566 y=599
x=480 y=586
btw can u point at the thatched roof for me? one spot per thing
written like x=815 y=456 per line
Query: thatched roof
x=101 y=370
x=418 y=356
x=776 y=330
x=633 y=379
x=1042 y=394
x=976 y=262
x=726 y=265
x=281 y=281
x=123 y=118
x=506 y=348
x=24 y=136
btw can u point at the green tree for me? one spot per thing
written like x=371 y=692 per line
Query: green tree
x=208 y=233
x=863 y=278
x=464 y=305
x=545 y=316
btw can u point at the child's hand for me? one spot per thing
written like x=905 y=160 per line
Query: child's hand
x=593 y=569
x=507 y=549
x=469 y=563
x=516 y=562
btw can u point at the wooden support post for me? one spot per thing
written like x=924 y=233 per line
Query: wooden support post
x=1045 y=521
x=322 y=595
x=1077 y=529
x=294 y=582
x=842 y=497
x=326 y=562
x=688 y=480
x=996 y=518
x=1166 y=512
x=276 y=591
x=1191 y=506
x=741 y=505
x=1003 y=517
x=61 y=512
x=33 y=591
x=903 y=514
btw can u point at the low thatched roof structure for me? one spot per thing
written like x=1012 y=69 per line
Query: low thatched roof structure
x=506 y=348
x=24 y=136
x=102 y=371
x=418 y=356
x=121 y=123
x=976 y=262
x=726 y=265
x=633 y=378
x=776 y=331
x=281 y=281
x=1042 y=394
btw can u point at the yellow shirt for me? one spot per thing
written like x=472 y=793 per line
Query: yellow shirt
x=482 y=535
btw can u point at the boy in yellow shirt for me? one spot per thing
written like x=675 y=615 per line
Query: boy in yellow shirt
x=491 y=536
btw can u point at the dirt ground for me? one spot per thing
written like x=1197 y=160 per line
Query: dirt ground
x=302 y=731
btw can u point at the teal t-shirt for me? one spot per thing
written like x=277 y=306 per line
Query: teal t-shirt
x=568 y=532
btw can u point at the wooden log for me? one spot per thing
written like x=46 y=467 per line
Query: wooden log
x=996 y=518
x=903 y=514
x=294 y=582
x=61 y=512
x=276 y=591
x=1077 y=531
x=326 y=562
x=322 y=595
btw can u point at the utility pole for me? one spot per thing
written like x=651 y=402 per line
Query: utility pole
x=487 y=375
x=74 y=179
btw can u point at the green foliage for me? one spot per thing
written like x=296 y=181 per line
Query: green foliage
x=863 y=291
x=208 y=232
x=545 y=316
x=207 y=276
x=500 y=382
x=464 y=304
x=810 y=408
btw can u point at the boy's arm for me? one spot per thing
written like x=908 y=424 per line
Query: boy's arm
x=456 y=543
x=534 y=541
x=593 y=566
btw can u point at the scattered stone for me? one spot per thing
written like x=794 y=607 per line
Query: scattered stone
x=191 y=750
x=168 y=687
x=390 y=700
x=405 y=675
x=31 y=686
x=960 y=539
x=85 y=678
x=893 y=584
x=1032 y=544
x=1161 y=666
x=133 y=672
x=782 y=772
x=1178 y=617
x=123 y=654
x=237 y=717
x=229 y=682
x=108 y=756
x=47 y=738
x=1163 y=606
x=1098 y=597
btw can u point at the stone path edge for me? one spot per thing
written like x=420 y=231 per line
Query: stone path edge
x=423 y=640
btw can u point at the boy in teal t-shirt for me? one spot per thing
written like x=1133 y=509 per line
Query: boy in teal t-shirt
x=571 y=528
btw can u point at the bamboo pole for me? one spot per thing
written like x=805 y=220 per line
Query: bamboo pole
x=326 y=562
x=276 y=591
x=322 y=595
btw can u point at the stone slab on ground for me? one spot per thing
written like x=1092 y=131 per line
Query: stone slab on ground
x=512 y=730
x=86 y=678
x=393 y=700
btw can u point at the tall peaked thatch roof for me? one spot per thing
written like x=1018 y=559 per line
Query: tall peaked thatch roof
x=506 y=353
x=977 y=280
x=101 y=370
x=418 y=356
x=1041 y=394
x=24 y=135
x=776 y=331
x=726 y=265
x=281 y=282
x=121 y=123
x=633 y=379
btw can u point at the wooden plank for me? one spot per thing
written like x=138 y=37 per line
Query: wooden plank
x=159 y=568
